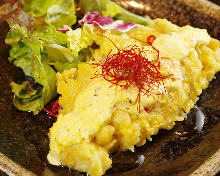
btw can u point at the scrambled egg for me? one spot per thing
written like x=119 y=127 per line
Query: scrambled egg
x=98 y=119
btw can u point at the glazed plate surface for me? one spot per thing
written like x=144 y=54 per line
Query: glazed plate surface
x=179 y=152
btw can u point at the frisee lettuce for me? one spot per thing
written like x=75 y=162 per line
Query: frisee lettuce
x=39 y=54
x=28 y=54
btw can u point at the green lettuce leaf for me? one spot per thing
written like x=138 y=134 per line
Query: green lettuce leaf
x=49 y=35
x=56 y=58
x=26 y=97
x=109 y=8
x=37 y=8
x=112 y=9
x=38 y=53
x=62 y=14
x=60 y=67
x=15 y=34
x=29 y=54
x=56 y=12
x=80 y=38
x=58 y=53
x=43 y=74
x=20 y=55
x=24 y=90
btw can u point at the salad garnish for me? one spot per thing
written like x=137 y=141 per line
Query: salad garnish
x=46 y=43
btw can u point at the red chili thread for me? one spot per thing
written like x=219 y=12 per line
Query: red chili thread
x=149 y=110
x=132 y=67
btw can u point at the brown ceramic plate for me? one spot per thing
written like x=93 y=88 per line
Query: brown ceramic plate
x=23 y=137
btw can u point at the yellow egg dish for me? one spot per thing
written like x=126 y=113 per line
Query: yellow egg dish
x=98 y=118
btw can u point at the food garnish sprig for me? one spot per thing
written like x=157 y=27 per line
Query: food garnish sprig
x=131 y=66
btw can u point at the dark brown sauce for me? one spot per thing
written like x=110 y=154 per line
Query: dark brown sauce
x=24 y=137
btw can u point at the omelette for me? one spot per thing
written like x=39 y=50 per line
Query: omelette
x=98 y=117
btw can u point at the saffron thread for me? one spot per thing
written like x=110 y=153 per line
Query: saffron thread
x=131 y=66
